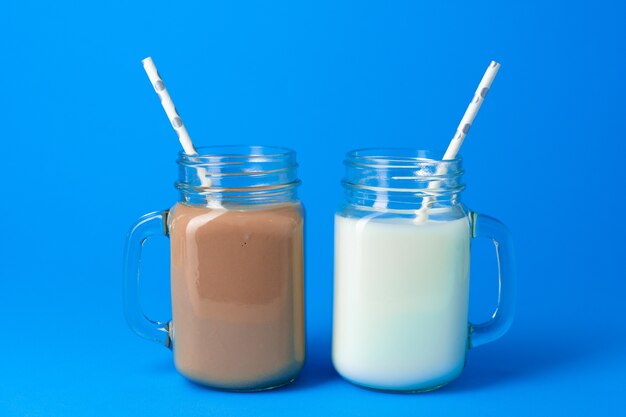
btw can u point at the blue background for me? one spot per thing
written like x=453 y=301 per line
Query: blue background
x=86 y=149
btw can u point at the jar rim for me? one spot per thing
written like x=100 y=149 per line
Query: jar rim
x=391 y=156
x=237 y=152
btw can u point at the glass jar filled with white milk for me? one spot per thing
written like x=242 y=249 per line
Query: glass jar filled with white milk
x=402 y=262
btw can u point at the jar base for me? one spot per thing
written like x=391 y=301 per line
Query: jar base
x=400 y=390
x=279 y=380
x=240 y=390
x=408 y=388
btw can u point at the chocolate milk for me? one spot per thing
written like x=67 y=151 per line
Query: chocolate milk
x=237 y=295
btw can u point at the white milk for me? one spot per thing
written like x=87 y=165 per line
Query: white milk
x=401 y=301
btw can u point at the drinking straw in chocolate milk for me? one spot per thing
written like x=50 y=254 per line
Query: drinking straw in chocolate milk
x=421 y=215
x=173 y=116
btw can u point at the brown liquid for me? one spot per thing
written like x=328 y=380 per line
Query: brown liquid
x=238 y=295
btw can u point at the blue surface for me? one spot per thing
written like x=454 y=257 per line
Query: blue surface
x=86 y=149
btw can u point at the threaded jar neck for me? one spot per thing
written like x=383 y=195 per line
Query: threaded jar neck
x=401 y=179
x=238 y=175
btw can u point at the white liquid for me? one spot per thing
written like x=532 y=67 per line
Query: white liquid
x=401 y=301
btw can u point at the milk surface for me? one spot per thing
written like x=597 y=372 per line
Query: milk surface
x=401 y=301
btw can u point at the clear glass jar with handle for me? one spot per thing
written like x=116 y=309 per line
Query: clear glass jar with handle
x=237 y=269
x=402 y=272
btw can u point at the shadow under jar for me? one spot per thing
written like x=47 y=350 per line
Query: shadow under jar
x=402 y=273
x=237 y=269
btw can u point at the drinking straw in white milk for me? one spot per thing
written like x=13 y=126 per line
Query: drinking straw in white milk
x=421 y=215
x=173 y=116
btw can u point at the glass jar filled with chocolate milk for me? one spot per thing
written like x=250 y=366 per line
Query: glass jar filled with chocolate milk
x=237 y=269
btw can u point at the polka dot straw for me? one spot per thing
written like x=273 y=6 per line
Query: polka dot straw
x=461 y=132
x=472 y=110
x=173 y=116
x=168 y=106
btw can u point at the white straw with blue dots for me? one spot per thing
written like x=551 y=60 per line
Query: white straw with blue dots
x=461 y=132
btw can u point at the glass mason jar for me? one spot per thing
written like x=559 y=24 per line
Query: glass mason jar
x=237 y=269
x=402 y=260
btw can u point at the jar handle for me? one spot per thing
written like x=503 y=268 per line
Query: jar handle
x=501 y=319
x=148 y=225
